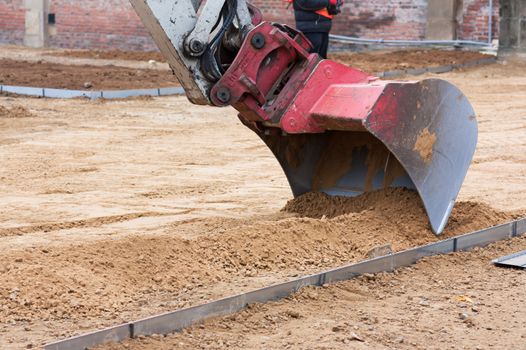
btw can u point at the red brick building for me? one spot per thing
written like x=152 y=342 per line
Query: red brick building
x=108 y=24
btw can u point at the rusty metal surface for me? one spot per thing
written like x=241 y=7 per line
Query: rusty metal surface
x=336 y=162
x=431 y=128
x=108 y=94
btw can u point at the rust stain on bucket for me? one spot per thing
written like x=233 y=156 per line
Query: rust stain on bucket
x=424 y=145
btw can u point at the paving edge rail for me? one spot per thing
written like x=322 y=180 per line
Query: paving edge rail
x=108 y=94
x=176 y=321
x=116 y=94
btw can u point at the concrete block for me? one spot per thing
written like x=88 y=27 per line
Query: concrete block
x=35 y=23
x=441 y=20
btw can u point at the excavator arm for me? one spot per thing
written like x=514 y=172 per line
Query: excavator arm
x=333 y=128
x=183 y=31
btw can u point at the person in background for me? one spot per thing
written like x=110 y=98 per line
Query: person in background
x=314 y=19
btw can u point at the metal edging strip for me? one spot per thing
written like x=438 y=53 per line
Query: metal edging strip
x=116 y=94
x=517 y=260
x=180 y=319
x=485 y=237
x=61 y=93
x=24 y=90
x=440 y=69
x=108 y=94
x=520 y=228
x=416 y=71
x=113 y=334
x=177 y=320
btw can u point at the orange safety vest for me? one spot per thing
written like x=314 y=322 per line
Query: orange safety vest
x=322 y=12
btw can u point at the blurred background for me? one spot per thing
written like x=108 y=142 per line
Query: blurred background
x=112 y=24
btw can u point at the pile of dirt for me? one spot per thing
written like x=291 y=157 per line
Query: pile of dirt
x=369 y=61
x=317 y=204
x=113 y=55
x=51 y=187
x=393 y=215
x=101 y=279
x=15 y=112
x=405 y=59
x=85 y=77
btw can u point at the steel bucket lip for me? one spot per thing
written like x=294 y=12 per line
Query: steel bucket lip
x=437 y=227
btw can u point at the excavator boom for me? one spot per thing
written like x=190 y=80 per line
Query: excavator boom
x=333 y=128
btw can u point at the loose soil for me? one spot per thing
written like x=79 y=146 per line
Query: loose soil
x=118 y=210
x=113 y=55
x=14 y=112
x=368 y=61
x=405 y=59
x=110 y=77
x=104 y=279
x=458 y=301
x=73 y=77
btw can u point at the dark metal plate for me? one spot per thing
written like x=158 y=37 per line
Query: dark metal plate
x=514 y=260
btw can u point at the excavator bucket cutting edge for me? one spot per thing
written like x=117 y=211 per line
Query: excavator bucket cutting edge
x=420 y=136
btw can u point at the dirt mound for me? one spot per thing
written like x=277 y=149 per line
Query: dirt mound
x=368 y=61
x=404 y=59
x=15 y=112
x=317 y=204
x=114 y=55
x=103 y=278
x=394 y=215
x=85 y=77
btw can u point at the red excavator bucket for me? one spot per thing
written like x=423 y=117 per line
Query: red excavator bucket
x=418 y=135
x=338 y=130
x=333 y=128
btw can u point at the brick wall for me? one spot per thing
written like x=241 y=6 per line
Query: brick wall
x=388 y=19
x=113 y=24
x=474 y=23
x=101 y=24
x=12 y=19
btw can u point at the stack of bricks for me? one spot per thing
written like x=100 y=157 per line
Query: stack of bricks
x=113 y=24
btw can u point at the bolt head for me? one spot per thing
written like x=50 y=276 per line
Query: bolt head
x=258 y=41
x=223 y=94
x=196 y=46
